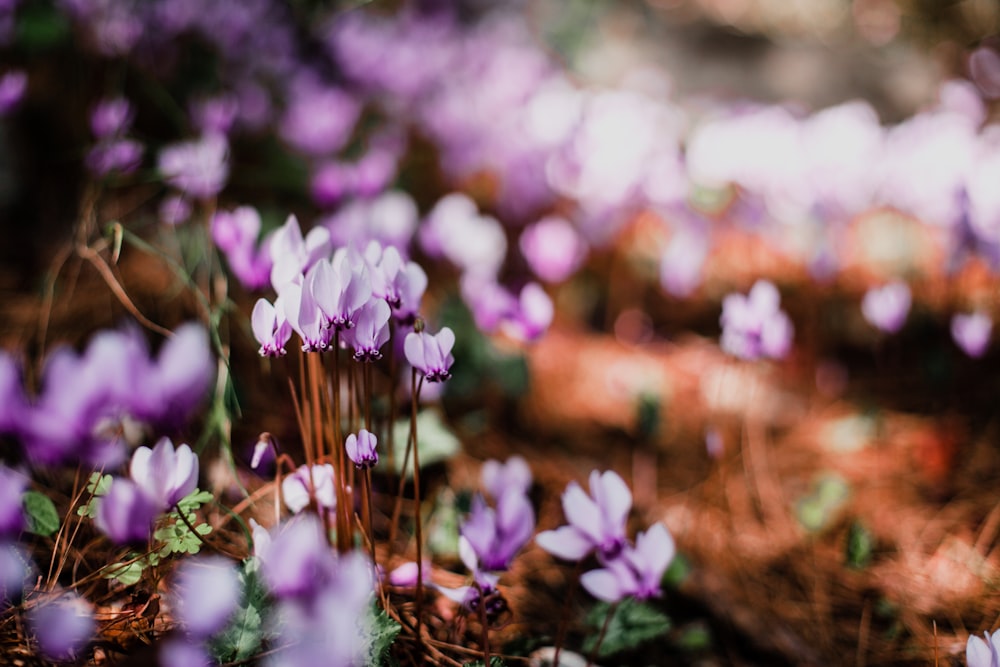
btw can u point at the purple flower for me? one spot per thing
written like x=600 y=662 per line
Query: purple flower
x=971 y=332
x=339 y=289
x=15 y=571
x=13 y=404
x=295 y=488
x=114 y=156
x=319 y=120
x=886 y=307
x=682 y=262
x=362 y=449
x=179 y=379
x=206 y=593
x=165 y=474
x=126 y=513
x=594 y=522
x=984 y=69
x=298 y=562
x=491 y=538
x=199 y=168
x=270 y=327
x=62 y=626
x=180 y=652
x=331 y=182
x=174 y=210
x=514 y=476
x=983 y=653
x=532 y=314
x=13 y=86
x=754 y=326
x=431 y=355
x=12 y=487
x=371 y=331
x=215 y=114
x=553 y=249
x=637 y=571
x=304 y=316
x=111 y=118
x=235 y=233
x=292 y=255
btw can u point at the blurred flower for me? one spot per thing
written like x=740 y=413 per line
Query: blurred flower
x=214 y=115
x=111 y=118
x=13 y=404
x=754 y=326
x=984 y=69
x=971 y=332
x=431 y=354
x=514 y=476
x=682 y=262
x=637 y=571
x=235 y=233
x=126 y=513
x=292 y=255
x=983 y=653
x=62 y=626
x=362 y=449
x=270 y=327
x=206 y=592
x=302 y=314
x=596 y=521
x=532 y=314
x=199 y=167
x=174 y=210
x=491 y=538
x=165 y=474
x=13 y=86
x=179 y=379
x=298 y=562
x=319 y=119
x=181 y=652
x=114 y=156
x=295 y=488
x=15 y=571
x=552 y=248
x=886 y=307
x=12 y=487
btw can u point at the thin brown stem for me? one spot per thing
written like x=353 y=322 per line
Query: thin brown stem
x=604 y=630
x=418 y=528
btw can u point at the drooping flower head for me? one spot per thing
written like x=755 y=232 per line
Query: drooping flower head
x=164 y=473
x=513 y=476
x=199 y=167
x=637 y=571
x=270 y=327
x=754 y=326
x=340 y=289
x=371 y=331
x=317 y=482
x=362 y=449
x=595 y=522
x=431 y=355
x=491 y=538
x=886 y=307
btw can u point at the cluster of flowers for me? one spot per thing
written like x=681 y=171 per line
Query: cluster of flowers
x=597 y=525
x=754 y=326
x=92 y=404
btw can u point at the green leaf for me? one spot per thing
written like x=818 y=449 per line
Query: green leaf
x=680 y=568
x=821 y=508
x=97 y=486
x=193 y=501
x=632 y=624
x=860 y=544
x=383 y=633
x=43 y=519
x=437 y=443
x=127 y=575
x=245 y=633
x=696 y=637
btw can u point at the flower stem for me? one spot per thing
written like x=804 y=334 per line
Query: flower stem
x=604 y=630
x=418 y=529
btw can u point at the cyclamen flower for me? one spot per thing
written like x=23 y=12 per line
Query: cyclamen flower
x=165 y=474
x=200 y=167
x=298 y=561
x=595 y=522
x=62 y=626
x=111 y=117
x=886 y=307
x=972 y=333
x=983 y=653
x=235 y=233
x=362 y=449
x=15 y=572
x=270 y=327
x=206 y=593
x=491 y=538
x=295 y=488
x=514 y=476
x=553 y=248
x=531 y=315
x=304 y=316
x=13 y=86
x=754 y=326
x=292 y=254
x=431 y=355
x=126 y=513
x=637 y=571
x=339 y=290
x=12 y=487
x=371 y=331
